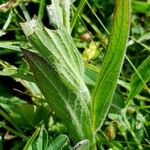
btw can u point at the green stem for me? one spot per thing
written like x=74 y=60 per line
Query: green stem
x=101 y=36
x=13 y=131
x=98 y=18
x=2 y=113
x=123 y=114
x=93 y=142
x=24 y=11
x=7 y=21
x=78 y=13
x=41 y=10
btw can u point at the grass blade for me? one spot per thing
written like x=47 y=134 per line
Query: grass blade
x=111 y=66
x=55 y=14
x=41 y=9
x=32 y=138
x=139 y=78
x=141 y=6
x=78 y=13
x=58 y=143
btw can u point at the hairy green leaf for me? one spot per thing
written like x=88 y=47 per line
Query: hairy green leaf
x=68 y=105
x=111 y=66
x=55 y=14
x=58 y=48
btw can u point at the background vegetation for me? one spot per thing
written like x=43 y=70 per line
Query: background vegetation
x=23 y=111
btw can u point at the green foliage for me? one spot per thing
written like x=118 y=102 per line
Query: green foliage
x=28 y=116
x=70 y=105
x=64 y=84
x=139 y=78
x=112 y=64
x=42 y=141
x=58 y=143
x=31 y=140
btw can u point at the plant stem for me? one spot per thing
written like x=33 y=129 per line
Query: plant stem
x=8 y=118
x=93 y=142
x=25 y=12
x=13 y=131
x=123 y=114
x=78 y=13
x=41 y=9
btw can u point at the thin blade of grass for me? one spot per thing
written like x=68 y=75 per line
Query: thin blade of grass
x=10 y=48
x=24 y=11
x=32 y=138
x=139 y=78
x=13 y=131
x=41 y=9
x=2 y=31
x=58 y=143
x=58 y=48
x=78 y=13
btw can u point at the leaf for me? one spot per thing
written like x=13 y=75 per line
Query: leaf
x=141 y=7
x=61 y=69
x=58 y=48
x=31 y=140
x=9 y=48
x=69 y=106
x=28 y=116
x=112 y=64
x=42 y=141
x=55 y=14
x=78 y=13
x=139 y=78
x=117 y=104
x=82 y=145
x=21 y=72
x=9 y=103
x=90 y=76
x=58 y=143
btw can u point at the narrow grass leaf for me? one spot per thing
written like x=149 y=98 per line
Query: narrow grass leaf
x=141 y=7
x=139 y=78
x=32 y=139
x=41 y=9
x=10 y=48
x=112 y=64
x=42 y=141
x=77 y=13
x=58 y=143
